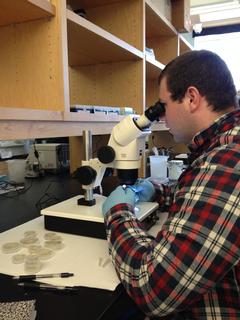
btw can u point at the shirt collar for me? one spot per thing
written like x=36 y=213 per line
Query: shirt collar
x=202 y=140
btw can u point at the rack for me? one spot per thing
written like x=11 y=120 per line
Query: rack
x=52 y=58
x=12 y=11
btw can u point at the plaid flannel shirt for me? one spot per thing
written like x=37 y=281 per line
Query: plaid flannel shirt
x=192 y=267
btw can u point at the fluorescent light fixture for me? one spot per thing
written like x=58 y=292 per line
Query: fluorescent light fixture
x=217 y=12
x=220 y=15
x=215 y=7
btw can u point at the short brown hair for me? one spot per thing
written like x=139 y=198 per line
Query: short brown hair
x=207 y=72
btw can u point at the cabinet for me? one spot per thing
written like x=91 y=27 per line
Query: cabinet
x=52 y=58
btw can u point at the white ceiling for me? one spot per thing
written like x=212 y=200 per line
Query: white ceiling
x=195 y=3
x=215 y=12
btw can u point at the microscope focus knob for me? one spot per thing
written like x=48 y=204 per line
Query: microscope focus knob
x=106 y=154
x=86 y=175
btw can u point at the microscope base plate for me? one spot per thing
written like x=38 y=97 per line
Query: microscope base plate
x=69 y=217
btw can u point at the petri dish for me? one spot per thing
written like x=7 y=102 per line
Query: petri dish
x=45 y=254
x=34 y=248
x=11 y=247
x=18 y=258
x=54 y=244
x=29 y=241
x=32 y=264
x=52 y=236
x=30 y=233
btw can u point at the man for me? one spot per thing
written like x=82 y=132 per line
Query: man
x=191 y=270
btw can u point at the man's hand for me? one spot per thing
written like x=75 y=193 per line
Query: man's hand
x=119 y=195
x=144 y=190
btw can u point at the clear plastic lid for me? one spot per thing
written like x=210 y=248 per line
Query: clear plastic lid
x=54 y=244
x=18 y=258
x=11 y=247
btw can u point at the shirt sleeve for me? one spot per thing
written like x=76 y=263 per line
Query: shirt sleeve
x=164 y=195
x=197 y=246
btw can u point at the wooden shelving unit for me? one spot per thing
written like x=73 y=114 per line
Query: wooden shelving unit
x=104 y=66
x=184 y=46
x=90 y=4
x=112 y=49
x=156 y=24
x=52 y=58
x=160 y=35
x=12 y=11
x=153 y=68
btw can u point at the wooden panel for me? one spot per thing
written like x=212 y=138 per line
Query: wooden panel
x=76 y=149
x=31 y=65
x=184 y=46
x=181 y=15
x=92 y=117
x=152 y=96
x=165 y=139
x=113 y=84
x=84 y=37
x=152 y=92
x=76 y=4
x=153 y=68
x=12 y=130
x=156 y=24
x=21 y=114
x=3 y=168
x=123 y=19
x=165 y=48
x=14 y=11
x=75 y=152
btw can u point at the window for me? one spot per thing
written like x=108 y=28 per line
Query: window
x=227 y=46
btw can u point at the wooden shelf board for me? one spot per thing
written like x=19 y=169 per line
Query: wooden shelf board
x=15 y=11
x=92 y=117
x=89 y=44
x=29 y=129
x=184 y=45
x=89 y=3
x=19 y=114
x=19 y=123
x=156 y=24
x=13 y=129
x=153 y=68
x=29 y=114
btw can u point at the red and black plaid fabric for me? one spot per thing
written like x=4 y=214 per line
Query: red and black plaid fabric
x=192 y=267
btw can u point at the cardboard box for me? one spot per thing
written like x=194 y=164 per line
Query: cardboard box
x=181 y=15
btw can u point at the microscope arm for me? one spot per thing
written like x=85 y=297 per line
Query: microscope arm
x=124 y=150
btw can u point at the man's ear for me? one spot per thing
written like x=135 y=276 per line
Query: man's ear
x=194 y=97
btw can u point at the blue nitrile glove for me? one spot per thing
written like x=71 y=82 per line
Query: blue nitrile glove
x=144 y=190
x=119 y=195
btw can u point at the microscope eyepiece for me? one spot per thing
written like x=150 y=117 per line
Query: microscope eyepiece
x=155 y=112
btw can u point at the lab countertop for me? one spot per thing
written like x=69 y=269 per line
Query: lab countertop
x=19 y=212
x=17 y=208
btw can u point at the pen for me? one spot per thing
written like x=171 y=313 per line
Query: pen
x=39 y=276
x=46 y=287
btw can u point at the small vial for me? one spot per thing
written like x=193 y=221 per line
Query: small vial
x=32 y=264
